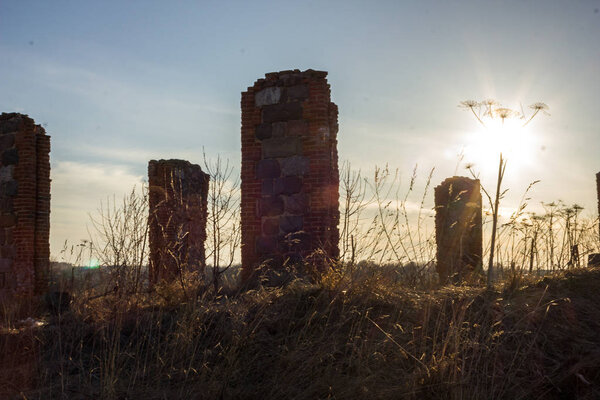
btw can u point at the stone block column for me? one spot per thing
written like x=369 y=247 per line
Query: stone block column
x=177 y=203
x=458 y=230
x=290 y=180
x=24 y=205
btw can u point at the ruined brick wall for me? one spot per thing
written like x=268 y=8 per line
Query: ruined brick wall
x=290 y=182
x=177 y=203
x=598 y=192
x=458 y=230
x=24 y=205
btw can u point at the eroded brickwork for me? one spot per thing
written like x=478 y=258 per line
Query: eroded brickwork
x=290 y=181
x=458 y=230
x=598 y=193
x=177 y=204
x=24 y=205
x=594 y=258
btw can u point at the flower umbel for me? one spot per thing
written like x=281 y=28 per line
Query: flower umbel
x=493 y=109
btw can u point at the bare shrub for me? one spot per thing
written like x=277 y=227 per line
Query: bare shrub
x=120 y=239
x=223 y=225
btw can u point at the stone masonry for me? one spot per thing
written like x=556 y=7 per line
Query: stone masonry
x=458 y=230
x=290 y=181
x=177 y=203
x=24 y=206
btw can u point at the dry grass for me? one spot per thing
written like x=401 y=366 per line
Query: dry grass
x=364 y=337
x=367 y=329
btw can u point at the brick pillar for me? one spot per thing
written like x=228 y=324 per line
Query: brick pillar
x=458 y=230
x=290 y=182
x=42 y=212
x=24 y=205
x=177 y=204
x=598 y=194
x=594 y=258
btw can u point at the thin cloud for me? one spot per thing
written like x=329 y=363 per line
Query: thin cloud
x=77 y=191
x=118 y=94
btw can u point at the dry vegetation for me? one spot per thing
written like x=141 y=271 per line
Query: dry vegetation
x=363 y=335
x=379 y=328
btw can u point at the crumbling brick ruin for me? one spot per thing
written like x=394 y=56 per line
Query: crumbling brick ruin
x=24 y=206
x=598 y=194
x=177 y=203
x=594 y=258
x=290 y=180
x=458 y=230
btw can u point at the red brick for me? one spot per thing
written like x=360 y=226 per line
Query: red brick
x=177 y=204
x=30 y=208
x=320 y=182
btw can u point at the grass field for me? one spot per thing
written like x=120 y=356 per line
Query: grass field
x=346 y=336
x=378 y=329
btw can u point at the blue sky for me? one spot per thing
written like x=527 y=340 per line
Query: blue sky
x=119 y=83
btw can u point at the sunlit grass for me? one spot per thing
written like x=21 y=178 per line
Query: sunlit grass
x=377 y=324
x=353 y=334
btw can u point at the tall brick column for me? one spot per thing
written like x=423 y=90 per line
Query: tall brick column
x=24 y=205
x=594 y=258
x=458 y=231
x=290 y=181
x=598 y=194
x=177 y=203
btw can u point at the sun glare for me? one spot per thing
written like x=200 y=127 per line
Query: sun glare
x=516 y=142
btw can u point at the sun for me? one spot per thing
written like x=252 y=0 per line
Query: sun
x=516 y=142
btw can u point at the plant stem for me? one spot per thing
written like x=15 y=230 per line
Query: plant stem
x=532 y=116
x=477 y=116
x=495 y=219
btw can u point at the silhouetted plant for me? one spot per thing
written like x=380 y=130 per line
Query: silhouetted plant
x=492 y=109
x=223 y=225
x=353 y=204
x=120 y=237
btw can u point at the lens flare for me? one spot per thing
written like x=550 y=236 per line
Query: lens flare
x=516 y=142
